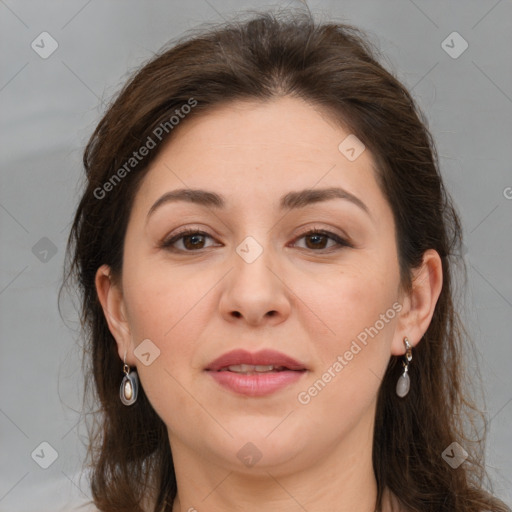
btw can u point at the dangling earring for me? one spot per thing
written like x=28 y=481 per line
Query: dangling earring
x=129 y=386
x=404 y=382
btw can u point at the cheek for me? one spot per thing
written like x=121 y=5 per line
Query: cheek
x=171 y=309
x=353 y=339
x=360 y=309
x=161 y=301
x=345 y=301
x=171 y=312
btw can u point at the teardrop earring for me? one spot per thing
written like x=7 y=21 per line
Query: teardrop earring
x=404 y=382
x=129 y=386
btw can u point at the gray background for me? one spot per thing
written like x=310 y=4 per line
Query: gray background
x=50 y=106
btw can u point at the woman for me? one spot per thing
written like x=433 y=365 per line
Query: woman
x=264 y=250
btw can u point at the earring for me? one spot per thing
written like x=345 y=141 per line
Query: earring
x=404 y=382
x=129 y=386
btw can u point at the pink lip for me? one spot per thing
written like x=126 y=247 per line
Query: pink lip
x=256 y=385
x=263 y=357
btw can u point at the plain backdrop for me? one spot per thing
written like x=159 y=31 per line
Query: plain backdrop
x=49 y=107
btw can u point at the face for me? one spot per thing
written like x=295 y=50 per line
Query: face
x=249 y=276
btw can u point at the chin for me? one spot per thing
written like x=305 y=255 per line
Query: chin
x=265 y=447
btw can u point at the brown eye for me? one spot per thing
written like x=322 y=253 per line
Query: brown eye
x=317 y=240
x=191 y=240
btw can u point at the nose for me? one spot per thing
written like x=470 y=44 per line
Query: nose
x=255 y=292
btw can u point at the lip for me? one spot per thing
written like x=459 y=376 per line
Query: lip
x=256 y=385
x=263 y=357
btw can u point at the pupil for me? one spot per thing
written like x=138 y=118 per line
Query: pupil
x=190 y=237
x=316 y=237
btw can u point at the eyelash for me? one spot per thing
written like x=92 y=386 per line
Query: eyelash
x=341 y=242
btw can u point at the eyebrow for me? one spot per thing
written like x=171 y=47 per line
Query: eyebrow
x=291 y=200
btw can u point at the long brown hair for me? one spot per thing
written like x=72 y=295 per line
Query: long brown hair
x=335 y=67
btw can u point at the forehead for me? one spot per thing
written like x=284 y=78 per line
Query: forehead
x=256 y=149
x=282 y=126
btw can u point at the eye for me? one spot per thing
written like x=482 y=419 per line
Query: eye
x=193 y=239
x=190 y=238
x=318 y=238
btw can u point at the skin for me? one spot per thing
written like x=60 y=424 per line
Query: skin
x=197 y=305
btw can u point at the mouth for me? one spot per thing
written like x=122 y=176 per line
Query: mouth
x=251 y=369
x=264 y=361
x=255 y=374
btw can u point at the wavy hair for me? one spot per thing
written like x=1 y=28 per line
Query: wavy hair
x=335 y=67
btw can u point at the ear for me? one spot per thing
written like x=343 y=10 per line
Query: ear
x=419 y=304
x=111 y=298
